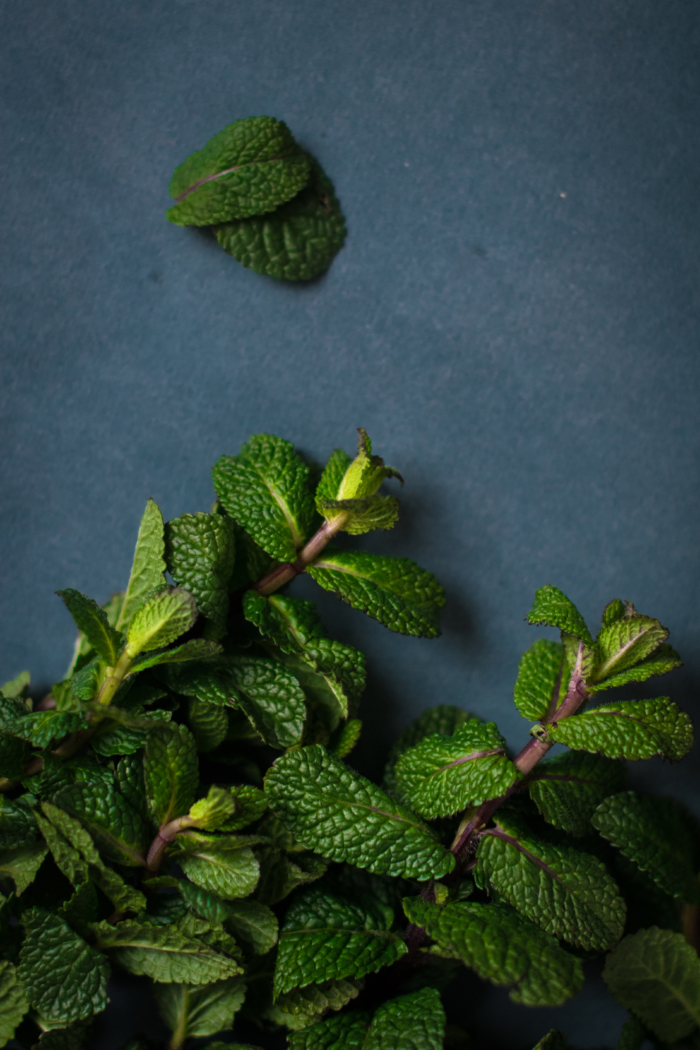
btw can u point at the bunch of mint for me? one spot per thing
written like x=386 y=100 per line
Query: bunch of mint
x=270 y=204
x=181 y=806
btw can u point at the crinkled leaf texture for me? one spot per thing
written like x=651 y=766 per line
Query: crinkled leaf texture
x=249 y=920
x=13 y=1001
x=542 y=679
x=226 y=866
x=120 y=831
x=65 y=979
x=411 y=1022
x=200 y=1010
x=266 y=489
x=442 y=775
x=163 y=953
x=444 y=720
x=161 y=619
x=21 y=865
x=553 y=608
x=565 y=891
x=625 y=642
x=200 y=554
x=335 y=811
x=171 y=772
x=567 y=789
x=656 y=974
x=327 y=936
x=657 y=835
x=249 y=168
x=394 y=591
x=502 y=947
x=17 y=823
x=271 y=698
x=631 y=729
x=92 y=621
x=148 y=568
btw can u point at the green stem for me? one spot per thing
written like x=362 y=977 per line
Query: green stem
x=180 y=1032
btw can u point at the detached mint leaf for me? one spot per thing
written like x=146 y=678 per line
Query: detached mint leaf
x=249 y=168
x=562 y=890
x=656 y=974
x=161 y=619
x=65 y=979
x=21 y=865
x=171 y=772
x=395 y=591
x=13 y=1001
x=656 y=834
x=200 y=550
x=567 y=789
x=333 y=810
x=326 y=936
x=631 y=729
x=625 y=642
x=443 y=775
x=148 y=568
x=225 y=866
x=553 y=608
x=119 y=830
x=295 y=242
x=163 y=953
x=92 y=622
x=542 y=680
x=502 y=947
x=201 y=1010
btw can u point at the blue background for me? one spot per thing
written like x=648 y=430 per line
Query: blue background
x=514 y=319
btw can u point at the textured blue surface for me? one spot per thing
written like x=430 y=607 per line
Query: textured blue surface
x=514 y=317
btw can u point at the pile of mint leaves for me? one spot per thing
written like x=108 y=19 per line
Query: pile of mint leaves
x=181 y=805
x=268 y=201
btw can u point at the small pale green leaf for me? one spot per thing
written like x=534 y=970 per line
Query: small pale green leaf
x=394 y=591
x=332 y=478
x=21 y=865
x=335 y=811
x=211 y=812
x=225 y=866
x=326 y=936
x=91 y=621
x=119 y=831
x=625 y=642
x=13 y=1001
x=553 y=608
x=161 y=619
x=631 y=729
x=200 y=551
x=148 y=568
x=197 y=1011
x=43 y=727
x=656 y=974
x=163 y=953
x=661 y=661
x=567 y=789
x=65 y=979
x=171 y=772
x=502 y=947
x=542 y=680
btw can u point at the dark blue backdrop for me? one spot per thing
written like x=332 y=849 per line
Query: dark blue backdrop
x=514 y=318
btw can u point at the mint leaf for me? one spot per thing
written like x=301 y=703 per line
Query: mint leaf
x=411 y=1022
x=553 y=1040
x=567 y=789
x=443 y=775
x=201 y=1010
x=249 y=168
x=13 y=754
x=70 y=1038
x=655 y=834
x=119 y=831
x=249 y=805
x=17 y=687
x=326 y=936
x=64 y=978
x=333 y=810
x=502 y=947
x=195 y=649
x=395 y=591
x=208 y=724
x=344 y=1032
x=21 y=865
x=81 y=909
x=443 y=719
x=332 y=478
x=43 y=727
x=656 y=974
x=266 y=489
x=171 y=772
x=353 y=497
x=13 y=1001
x=564 y=891
x=211 y=812
x=295 y=242
x=271 y=698
x=225 y=866
x=625 y=642
x=303 y=1006
x=631 y=729
x=200 y=551
x=661 y=661
x=211 y=681
x=542 y=680
x=148 y=568
x=553 y=608
x=342 y=745
x=129 y=780
x=161 y=619
x=250 y=921
x=17 y=823
x=632 y=1035
x=163 y=953
x=92 y=622
x=280 y=874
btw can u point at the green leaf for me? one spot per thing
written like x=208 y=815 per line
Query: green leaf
x=444 y=719
x=266 y=489
x=332 y=478
x=656 y=834
x=567 y=789
x=553 y=1040
x=13 y=1001
x=254 y=924
x=92 y=622
x=193 y=1012
x=211 y=681
x=411 y=1022
x=344 y=1032
x=70 y=1038
x=250 y=804
x=502 y=947
x=565 y=891
x=171 y=772
x=148 y=568
x=349 y=736
x=661 y=661
x=295 y=242
x=353 y=496
x=17 y=823
x=443 y=775
x=211 y=812
x=326 y=936
x=17 y=687
x=553 y=608
x=161 y=619
x=208 y=724
x=632 y=1035
x=65 y=979
x=656 y=974
x=200 y=551
x=333 y=810
x=280 y=874
x=163 y=953
x=625 y=642
x=13 y=754
x=43 y=727
x=303 y=1006
x=395 y=591
x=195 y=649
x=81 y=909
x=119 y=831
x=130 y=782
x=631 y=729
x=226 y=866
x=249 y=168
x=270 y=697
x=542 y=680
x=21 y=865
